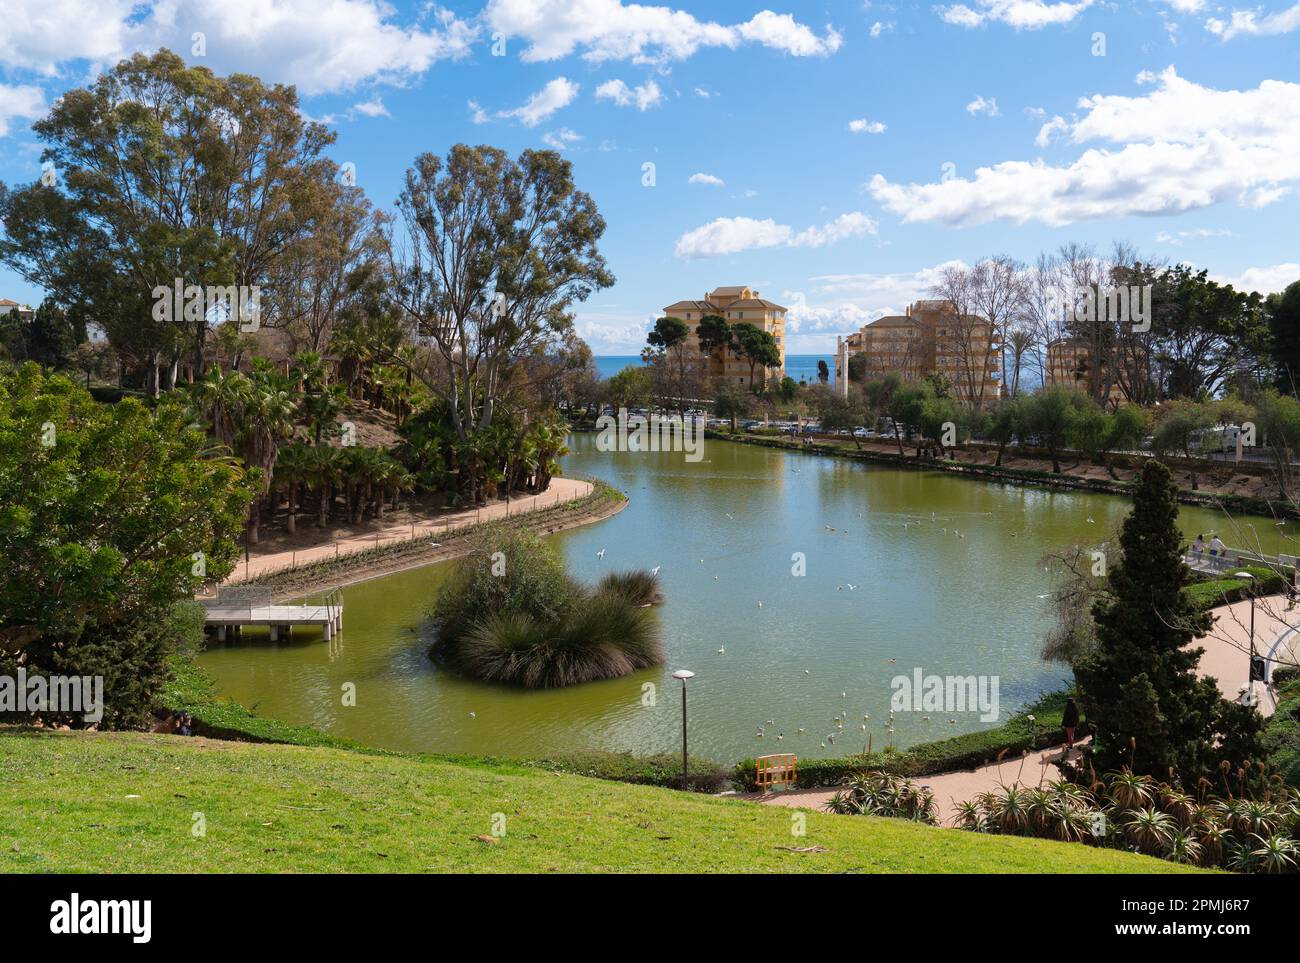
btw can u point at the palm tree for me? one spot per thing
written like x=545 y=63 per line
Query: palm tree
x=267 y=420
x=293 y=468
x=325 y=468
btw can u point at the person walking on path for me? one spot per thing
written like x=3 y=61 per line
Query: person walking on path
x=1070 y=722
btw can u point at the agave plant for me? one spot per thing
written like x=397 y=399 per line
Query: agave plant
x=1182 y=846
x=1068 y=822
x=1149 y=829
x=844 y=804
x=1256 y=818
x=1275 y=854
x=1214 y=840
x=1129 y=790
x=1010 y=809
x=970 y=815
x=1178 y=806
x=884 y=794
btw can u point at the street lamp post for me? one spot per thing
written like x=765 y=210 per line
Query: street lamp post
x=683 y=675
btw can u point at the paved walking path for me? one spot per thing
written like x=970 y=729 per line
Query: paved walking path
x=1226 y=659
x=949 y=788
x=561 y=490
x=1227 y=647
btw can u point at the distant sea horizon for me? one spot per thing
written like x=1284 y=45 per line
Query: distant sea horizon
x=800 y=367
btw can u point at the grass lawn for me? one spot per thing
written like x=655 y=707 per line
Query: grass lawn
x=119 y=802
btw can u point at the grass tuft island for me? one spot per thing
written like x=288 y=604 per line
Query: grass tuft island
x=511 y=613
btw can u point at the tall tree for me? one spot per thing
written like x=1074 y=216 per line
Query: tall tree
x=1284 y=330
x=496 y=252
x=166 y=171
x=1139 y=685
x=757 y=347
x=668 y=339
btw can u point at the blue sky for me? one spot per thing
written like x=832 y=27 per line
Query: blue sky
x=833 y=155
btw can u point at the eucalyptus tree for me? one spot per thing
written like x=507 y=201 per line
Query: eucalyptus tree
x=493 y=254
x=166 y=171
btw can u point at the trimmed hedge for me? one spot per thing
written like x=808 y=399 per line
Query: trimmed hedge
x=1225 y=591
x=661 y=769
x=967 y=751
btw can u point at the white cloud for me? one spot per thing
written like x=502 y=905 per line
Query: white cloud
x=1050 y=130
x=477 y=114
x=1020 y=14
x=1181 y=147
x=731 y=235
x=843 y=227
x=374 y=107
x=780 y=31
x=1186 y=6
x=561 y=139
x=318 y=45
x=837 y=304
x=1250 y=23
x=708 y=179
x=643 y=96
x=1265 y=280
x=612 y=30
x=703 y=93
x=980 y=105
x=1176 y=238
x=879 y=28
x=557 y=94
x=864 y=126
x=41 y=34
x=23 y=101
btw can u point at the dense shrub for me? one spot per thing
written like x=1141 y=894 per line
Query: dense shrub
x=1282 y=732
x=111 y=515
x=1251 y=827
x=510 y=613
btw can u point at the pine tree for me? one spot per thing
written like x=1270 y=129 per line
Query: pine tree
x=1139 y=686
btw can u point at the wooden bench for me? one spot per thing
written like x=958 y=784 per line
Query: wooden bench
x=776 y=770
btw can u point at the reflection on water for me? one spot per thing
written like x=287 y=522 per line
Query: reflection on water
x=905 y=570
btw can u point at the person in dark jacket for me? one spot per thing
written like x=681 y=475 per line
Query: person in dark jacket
x=1070 y=722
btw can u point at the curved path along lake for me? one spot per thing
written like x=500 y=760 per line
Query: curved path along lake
x=904 y=570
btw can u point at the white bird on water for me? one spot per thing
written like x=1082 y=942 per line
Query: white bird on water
x=722 y=651
x=851 y=586
x=655 y=570
x=601 y=553
x=760 y=605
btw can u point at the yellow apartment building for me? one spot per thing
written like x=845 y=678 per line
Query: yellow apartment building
x=1068 y=364
x=737 y=305
x=934 y=338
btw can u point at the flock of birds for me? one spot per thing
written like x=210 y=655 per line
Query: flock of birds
x=838 y=721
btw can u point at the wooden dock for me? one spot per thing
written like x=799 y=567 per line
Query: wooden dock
x=226 y=615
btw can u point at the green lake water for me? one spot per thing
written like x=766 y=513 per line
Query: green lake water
x=724 y=530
